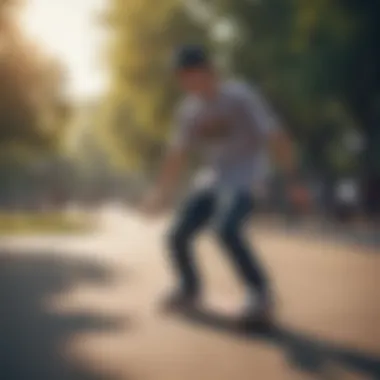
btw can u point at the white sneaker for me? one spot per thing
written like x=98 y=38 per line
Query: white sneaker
x=258 y=309
x=178 y=300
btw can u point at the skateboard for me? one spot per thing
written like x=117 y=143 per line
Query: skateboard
x=223 y=315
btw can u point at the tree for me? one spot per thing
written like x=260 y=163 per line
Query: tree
x=32 y=106
x=304 y=55
x=139 y=107
x=33 y=109
x=317 y=61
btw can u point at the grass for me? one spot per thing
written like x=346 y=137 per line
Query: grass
x=46 y=222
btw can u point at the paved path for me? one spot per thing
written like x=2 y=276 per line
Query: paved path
x=84 y=308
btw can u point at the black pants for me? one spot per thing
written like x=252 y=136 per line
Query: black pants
x=228 y=211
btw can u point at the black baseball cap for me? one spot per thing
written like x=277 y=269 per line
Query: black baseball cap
x=190 y=57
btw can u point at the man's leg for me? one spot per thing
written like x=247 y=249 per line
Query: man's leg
x=232 y=213
x=194 y=215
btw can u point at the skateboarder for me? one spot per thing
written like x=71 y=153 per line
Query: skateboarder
x=233 y=130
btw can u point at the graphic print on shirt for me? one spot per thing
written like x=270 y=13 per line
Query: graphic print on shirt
x=212 y=126
x=229 y=134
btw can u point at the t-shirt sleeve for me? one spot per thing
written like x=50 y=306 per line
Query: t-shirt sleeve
x=258 y=113
x=181 y=136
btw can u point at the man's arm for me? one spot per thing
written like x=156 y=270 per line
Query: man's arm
x=265 y=122
x=173 y=163
x=166 y=183
x=284 y=154
x=283 y=151
x=170 y=172
x=266 y=125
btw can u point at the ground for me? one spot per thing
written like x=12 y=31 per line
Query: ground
x=78 y=308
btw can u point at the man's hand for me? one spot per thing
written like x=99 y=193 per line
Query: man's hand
x=299 y=197
x=153 y=204
x=156 y=201
x=283 y=149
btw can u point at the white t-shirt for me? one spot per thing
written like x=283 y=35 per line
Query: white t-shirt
x=230 y=133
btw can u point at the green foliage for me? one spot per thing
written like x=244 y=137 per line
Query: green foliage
x=138 y=110
x=316 y=60
x=33 y=111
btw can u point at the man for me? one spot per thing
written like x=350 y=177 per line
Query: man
x=232 y=128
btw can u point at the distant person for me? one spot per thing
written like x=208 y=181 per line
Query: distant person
x=347 y=200
x=232 y=128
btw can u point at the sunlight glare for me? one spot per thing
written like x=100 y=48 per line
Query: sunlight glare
x=67 y=29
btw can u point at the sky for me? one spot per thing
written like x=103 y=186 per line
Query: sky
x=67 y=29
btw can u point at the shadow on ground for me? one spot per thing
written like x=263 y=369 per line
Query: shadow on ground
x=306 y=354
x=32 y=337
x=369 y=238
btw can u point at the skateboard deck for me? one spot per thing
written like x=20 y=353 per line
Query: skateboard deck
x=223 y=314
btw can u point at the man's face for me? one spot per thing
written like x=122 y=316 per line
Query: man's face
x=195 y=81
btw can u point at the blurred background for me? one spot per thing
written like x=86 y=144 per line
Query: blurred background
x=86 y=102
x=87 y=96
